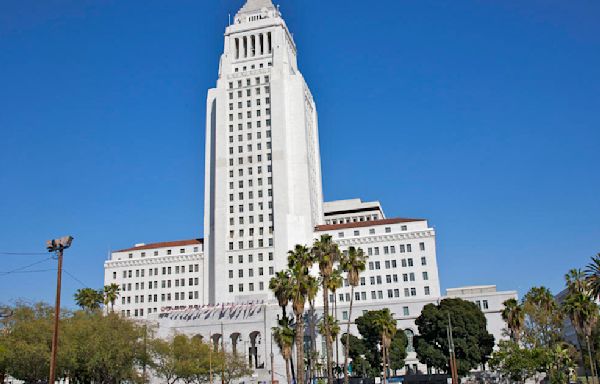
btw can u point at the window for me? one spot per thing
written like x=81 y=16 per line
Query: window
x=422 y=246
x=423 y=260
x=231 y=288
x=371 y=231
x=404 y=228
x=425 y=276
x=340 y=234
x=356 y=233
x=410 y=262
x=485 y=304
x=388 y=229
x=405 y=311
x=344 y=315
x=413 y=291
x=427 y=291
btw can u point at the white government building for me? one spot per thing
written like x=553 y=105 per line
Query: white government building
x=263 y=195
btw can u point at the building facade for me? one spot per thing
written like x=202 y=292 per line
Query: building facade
x=263 y=195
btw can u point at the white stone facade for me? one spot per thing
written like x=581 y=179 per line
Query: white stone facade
x=263 y=195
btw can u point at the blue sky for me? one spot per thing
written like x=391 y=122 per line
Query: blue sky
x=481 y=116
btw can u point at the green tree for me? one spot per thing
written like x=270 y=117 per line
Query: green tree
x=89 y=299
x=111 y=294
x=592 y=273
x=543 y=319
x=517 y=364
x=579 y=306
x=386 y=327
x=164 y=360
x=335 y=282
x=513 y=316
x=236 y=367
x=280 y=285
x=326 y=253
x=398 y=350
x=299 y=262
x=353 y=263
x=473 y=344
x=284 y=338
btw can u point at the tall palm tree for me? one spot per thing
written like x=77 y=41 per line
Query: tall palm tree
x=111 y=294
x=280 y=285
x=335 y=282
x=592 y=273
x=311 y=295
x=326 y=253
x=299 y=262
x=582 y=311
x=514 y=317
x=89 y=299
x=386 y=325
x=284 y=338
x=353 y=264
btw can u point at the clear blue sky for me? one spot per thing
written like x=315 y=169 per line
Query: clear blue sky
x=481 y=116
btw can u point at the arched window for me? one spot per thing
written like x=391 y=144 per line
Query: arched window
x=410 y=336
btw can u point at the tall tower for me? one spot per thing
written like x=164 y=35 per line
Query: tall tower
x=263 y=170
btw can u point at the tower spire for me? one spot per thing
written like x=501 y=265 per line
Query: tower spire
x=256 y=5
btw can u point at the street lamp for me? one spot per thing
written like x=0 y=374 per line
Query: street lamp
x=57 y=246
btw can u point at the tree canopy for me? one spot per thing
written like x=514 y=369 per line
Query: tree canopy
x=473 y=344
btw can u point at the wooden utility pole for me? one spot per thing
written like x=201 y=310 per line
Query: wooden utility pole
x=452 y=354
x=57 y=246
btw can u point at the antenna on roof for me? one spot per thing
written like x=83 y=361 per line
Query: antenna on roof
x=229 y=20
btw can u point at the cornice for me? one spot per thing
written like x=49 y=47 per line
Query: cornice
x=386 y=237
x=153 y=260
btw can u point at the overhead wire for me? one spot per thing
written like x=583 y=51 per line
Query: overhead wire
x=24 y=267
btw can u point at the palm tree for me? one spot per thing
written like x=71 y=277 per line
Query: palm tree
x=311 y=294
x=89 y=299
x=353 y=264
x=514 y=317
x=284 y=338
x=326 y=253
x=581 y=309
x=335 y=282
x=280 y=285
x=386 y=325
x=111 y=294
x=299 y=262
x=592 y=273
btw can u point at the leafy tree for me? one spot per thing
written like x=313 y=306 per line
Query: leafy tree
x=398 y=350
x=353 y=263
x=517 y=364
x=473 y=344
x=164 y=360
x=543 y=319
x=326 y=253
x=335 y=282
x=100 y=349
x=513 y=316
x=236 y=367
x=376 y=328
x=89 y=299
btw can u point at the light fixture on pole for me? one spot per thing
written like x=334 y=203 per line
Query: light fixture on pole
x=57 y=246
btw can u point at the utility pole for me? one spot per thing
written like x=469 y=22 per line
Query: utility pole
x=453 y=368
x=57 y=246
x=272 y=359
x=223 y=352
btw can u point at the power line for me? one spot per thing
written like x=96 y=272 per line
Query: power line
x=33 y=271
x=24 y=267
x=23 y=253
x=76 y=279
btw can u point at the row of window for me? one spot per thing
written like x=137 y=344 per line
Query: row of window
x=379 y=295
x=241 y=150
x=241 y=220
x=356 y=232
x=249 y=126
x=377 y=280
x=251 y=258
x=168 y=252
x=257 y=113
x=164 y=284
x=251 y=193
x=354 y=219
x=154 y=271
x=261 y=286
x=405 y=310
x=177 y=296
x=251 y=232
x=261 y=272
x=390 y=264
x=402 y=248
x=245 y=68
x=251 y=244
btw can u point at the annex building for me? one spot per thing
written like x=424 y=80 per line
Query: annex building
x=263 y=195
